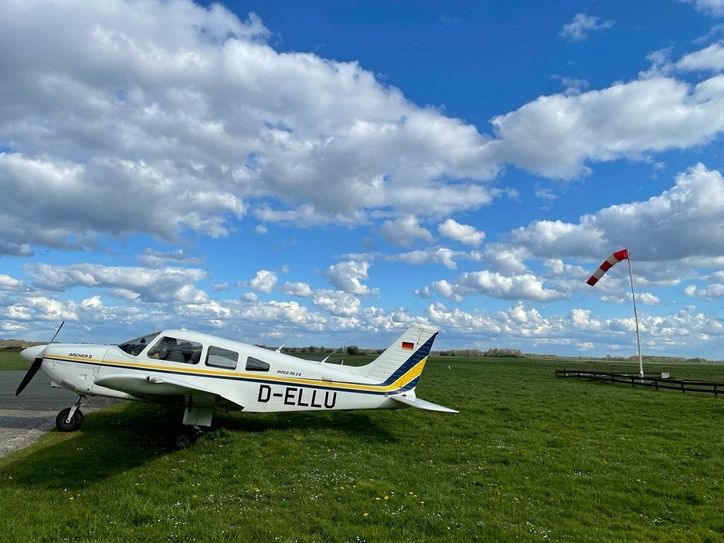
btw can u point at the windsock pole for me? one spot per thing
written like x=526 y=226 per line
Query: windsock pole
x=636 y=317
x=607 y=264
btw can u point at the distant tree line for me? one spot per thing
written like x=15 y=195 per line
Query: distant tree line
x=490 y=353
x=655 y=358
x=351 y=350
x=16 y=344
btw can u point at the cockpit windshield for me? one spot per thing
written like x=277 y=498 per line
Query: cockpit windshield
x=135 y=346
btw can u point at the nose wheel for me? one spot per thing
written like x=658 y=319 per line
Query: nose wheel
x=70 y=418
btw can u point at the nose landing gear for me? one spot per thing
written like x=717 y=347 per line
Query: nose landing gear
x=70 y=418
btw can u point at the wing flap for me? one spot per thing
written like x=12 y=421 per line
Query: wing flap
x=422 y=404
x=151 y=386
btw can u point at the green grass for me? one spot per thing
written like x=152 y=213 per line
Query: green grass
x=531 y=457
x=10 y=360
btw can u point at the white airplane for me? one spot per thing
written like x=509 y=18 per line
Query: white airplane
x=204 y=372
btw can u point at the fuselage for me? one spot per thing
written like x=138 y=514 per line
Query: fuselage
x=244 y=376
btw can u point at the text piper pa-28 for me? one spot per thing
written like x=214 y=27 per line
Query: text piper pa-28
x=203 y=372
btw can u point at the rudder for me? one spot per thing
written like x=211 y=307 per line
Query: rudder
x=403 y=361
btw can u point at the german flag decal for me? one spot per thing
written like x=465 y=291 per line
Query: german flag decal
x=407 y=345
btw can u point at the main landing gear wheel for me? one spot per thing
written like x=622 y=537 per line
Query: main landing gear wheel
x=64 y=425
x=183 y=440
x=185 y=437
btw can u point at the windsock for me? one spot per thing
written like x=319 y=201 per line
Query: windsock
x=615 y=258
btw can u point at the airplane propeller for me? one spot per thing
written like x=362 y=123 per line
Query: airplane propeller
x=37 y=355
x=29 y=375
x=57 y=332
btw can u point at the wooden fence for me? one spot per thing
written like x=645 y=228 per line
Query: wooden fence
x=652 y=381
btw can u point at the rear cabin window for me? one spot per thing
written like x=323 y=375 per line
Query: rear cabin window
x=176 y=350
x=254 y=364
x=221 y=358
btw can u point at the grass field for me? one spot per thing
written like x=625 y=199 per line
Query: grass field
x=531 y=457
x=10 y=360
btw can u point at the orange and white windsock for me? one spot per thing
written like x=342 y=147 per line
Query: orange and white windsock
x=615 y=258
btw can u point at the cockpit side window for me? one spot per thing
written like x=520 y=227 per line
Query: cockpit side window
x=176 y=350
x=136 y=345
x=221 y=358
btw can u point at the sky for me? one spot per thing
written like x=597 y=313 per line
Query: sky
x=328 y=173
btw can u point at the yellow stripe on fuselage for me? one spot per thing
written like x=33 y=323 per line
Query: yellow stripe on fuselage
x=414 y=372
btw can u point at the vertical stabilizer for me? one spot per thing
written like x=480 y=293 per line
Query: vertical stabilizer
x=403 y=361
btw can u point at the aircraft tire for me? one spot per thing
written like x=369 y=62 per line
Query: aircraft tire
x=74 y=423
x=183 y=440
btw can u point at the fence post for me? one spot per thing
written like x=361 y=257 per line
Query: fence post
x=683 y=390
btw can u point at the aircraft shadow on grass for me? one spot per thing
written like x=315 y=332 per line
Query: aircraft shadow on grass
x=114 y=442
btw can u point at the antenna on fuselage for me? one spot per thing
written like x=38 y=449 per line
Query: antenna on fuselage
x=327 y=358
x=279 y=349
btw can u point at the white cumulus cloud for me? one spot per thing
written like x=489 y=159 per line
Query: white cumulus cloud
x=161 y=117
x=167 y=284
x=714 y=288
x=8 y=282
x=440 y=255
x=525 y=286
x=193 y=116
x=464 y=233
x=343 y=304
x=712 y=7
x=556 y=135
x=264 y=281
x=405 y=231
x=297 y=288
x=581 y=25
x=348 y=276
x=710 y=58
x=682 y=222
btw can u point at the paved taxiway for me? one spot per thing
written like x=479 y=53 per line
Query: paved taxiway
x=24 y=418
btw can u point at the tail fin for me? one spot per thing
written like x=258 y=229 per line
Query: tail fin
x=403 y=361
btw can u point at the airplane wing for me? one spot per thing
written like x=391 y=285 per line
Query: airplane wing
x=422 y=404
x=157 y=388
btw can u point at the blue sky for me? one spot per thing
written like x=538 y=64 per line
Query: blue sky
x=330 y=173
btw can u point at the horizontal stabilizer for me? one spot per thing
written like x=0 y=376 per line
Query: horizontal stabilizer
x=422 y=404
